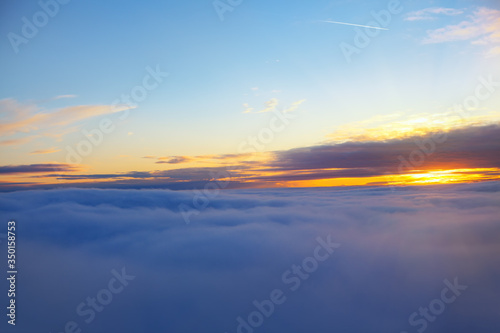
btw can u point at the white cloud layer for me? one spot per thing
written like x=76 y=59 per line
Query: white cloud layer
x=397 y=247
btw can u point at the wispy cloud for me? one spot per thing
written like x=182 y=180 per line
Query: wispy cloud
x=21 y=118
x=12 y=142
x=481 y=28
x=271 y=105
x=64 y=96
x=294 y=106
x=46 y=151
x=431 y=13
x=200 y=158
x=248 y=108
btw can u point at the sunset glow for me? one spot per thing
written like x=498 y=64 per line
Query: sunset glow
x=292 y=117
x=242 y=166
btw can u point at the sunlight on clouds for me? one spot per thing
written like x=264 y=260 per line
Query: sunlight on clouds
x=386 y=127
x=422 y=178
x=446 y=176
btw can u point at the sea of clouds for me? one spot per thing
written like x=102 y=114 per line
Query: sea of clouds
x=395 y=252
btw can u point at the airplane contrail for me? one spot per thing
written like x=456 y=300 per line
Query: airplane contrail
x=356 y=25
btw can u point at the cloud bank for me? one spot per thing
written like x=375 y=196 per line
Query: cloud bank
x=397 y=248
x=471 y=149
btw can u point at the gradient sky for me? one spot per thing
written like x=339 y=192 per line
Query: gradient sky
x=222 y=75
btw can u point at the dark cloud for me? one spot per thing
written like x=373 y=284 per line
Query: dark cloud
x=474 y=147
x=202 y=158
x=397 y=247
x=174 y=160
x=38 y=168
x=184 y=174
x=133 y=174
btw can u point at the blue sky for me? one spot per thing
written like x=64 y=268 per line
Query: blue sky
x=261 y=52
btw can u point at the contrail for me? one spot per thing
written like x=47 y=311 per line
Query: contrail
x=356 y=25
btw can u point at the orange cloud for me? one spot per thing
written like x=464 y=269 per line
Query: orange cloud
x=28 y=118
x=46 y=151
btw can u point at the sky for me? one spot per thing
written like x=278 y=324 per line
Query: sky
x=128 y=95
x=250 y=166
x=392 y=253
